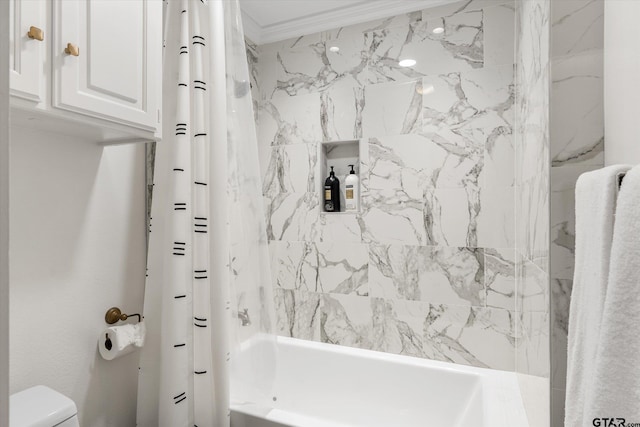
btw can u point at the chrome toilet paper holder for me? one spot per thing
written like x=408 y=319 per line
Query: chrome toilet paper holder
x=114 y=314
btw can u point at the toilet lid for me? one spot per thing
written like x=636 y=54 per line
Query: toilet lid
x=39 y=406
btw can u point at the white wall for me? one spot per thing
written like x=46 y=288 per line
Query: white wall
x=77 y=248
x=621 y=84
x=4 y=213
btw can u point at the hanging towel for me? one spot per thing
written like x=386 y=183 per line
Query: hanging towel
x=615 y=390
x=595 y=208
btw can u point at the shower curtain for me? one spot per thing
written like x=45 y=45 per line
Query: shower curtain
x=208 y=304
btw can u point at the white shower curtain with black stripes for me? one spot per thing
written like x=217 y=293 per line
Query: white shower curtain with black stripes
x=208 y=302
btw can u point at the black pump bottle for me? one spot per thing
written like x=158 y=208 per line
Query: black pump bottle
x=332 y=193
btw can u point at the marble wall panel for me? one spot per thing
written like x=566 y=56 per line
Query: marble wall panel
x=577 y=146
x=577 y=26
x=398 y=326
x=325 y=267
x=532 y=351
x=471 y=335
x=290 y=120
x=291 y=169
x=292 y=216
x=577 y=124
x=428 y=267
x=298 y=313
x=500 y=278
x=532 y=169
x=439 y=275
x=346 y=320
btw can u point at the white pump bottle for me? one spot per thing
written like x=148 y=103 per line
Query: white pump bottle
x=352 y=190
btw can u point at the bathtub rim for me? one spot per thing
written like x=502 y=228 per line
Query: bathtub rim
x=501 y=399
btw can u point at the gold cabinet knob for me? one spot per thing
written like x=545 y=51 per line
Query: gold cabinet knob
x=35 y=33
x=72 y=49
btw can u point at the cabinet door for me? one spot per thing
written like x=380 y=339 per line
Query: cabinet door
x=27 y=55
x=117 y=72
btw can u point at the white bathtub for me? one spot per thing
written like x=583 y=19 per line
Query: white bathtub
x=324 y=385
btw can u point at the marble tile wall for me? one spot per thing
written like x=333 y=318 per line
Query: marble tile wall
x=532 y=168
x=577 y=146
x=428 y=267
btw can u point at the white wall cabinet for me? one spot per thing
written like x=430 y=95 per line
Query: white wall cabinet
x=27 y=55
x=99 y=66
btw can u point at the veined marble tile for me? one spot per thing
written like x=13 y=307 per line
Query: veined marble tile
x=564 y=177
x=532 y=152
x=290 y=120
x=560 y=301
x=532 y=130
x=450 y=216
x=499 y=159
x=340 y=228
x=391 y=23
x=322 y=267
x=499 y=34
x=577 y=26
x=459 y=47
x=474 y=336
x=343 y=268
x=474 y=110
x=291 y=169
x=563 y=234
x=500 y=278
x=491 y=92
x=274 y=246
x=439 y=275
x=402 y=166
x=398 y=326
x=346 y=320
x=307 y=64
x=292 y=216
x=341 y=111
x=540 y=239
x=295 y=265
x=315 y=68
x=267 y=80
x=393 y=224
x=298 y=314
x=495 y=223
x=532 y=350
x=532 y=211
x=444 y=217
x=392 y=109
x=445 y=102
x=577 y=103
x=533 y=287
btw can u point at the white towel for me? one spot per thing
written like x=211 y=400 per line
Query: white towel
x=615 y=389
x=595 y=208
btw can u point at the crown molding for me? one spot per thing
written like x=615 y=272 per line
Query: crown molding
x=252 y=29
x=336 y=18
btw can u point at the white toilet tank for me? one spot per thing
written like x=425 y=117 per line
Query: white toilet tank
x=41 y=406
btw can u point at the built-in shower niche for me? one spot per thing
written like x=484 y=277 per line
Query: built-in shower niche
x=339 y=154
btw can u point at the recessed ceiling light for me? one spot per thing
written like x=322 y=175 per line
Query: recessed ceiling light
x=438 y=30
x=334 y=49
x=407 y=63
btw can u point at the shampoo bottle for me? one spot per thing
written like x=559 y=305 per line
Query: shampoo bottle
x=332 y=193
x=352 y=199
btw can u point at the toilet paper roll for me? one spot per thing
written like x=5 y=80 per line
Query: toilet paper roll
x=117 y=341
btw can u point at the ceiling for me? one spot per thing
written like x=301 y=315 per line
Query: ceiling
x=266 y=21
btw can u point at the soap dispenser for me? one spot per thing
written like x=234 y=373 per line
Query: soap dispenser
x=332 y=193
x=351 y=195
